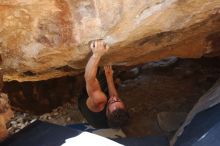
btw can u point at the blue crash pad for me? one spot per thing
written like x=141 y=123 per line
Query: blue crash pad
x=40 y=134
x=137 y=141
x=143 y=141
x=204 y=129
x=45 y=134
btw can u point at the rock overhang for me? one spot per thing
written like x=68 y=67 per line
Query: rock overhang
x=47 y=39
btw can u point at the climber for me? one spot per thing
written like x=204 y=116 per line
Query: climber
x=99 y=110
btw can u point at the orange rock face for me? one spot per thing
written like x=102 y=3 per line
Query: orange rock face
x=5 y=115
x=46 y=39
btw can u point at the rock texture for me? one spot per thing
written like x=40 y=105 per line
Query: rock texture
x=42 y=39
x=66 y=114
x=5 y=115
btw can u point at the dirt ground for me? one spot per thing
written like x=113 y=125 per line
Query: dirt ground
x=146 y=90
x=175 y=88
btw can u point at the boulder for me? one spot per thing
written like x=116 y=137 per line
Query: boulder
x=43 y=39
x=6 y=114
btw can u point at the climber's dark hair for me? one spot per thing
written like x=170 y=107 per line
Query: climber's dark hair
x=118 y=118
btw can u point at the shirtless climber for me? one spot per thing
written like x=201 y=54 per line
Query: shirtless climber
x=99 y=110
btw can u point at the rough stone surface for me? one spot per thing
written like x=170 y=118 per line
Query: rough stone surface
x=170 y=121
x=48 y=38
x=63 y=115
x=5 y=115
